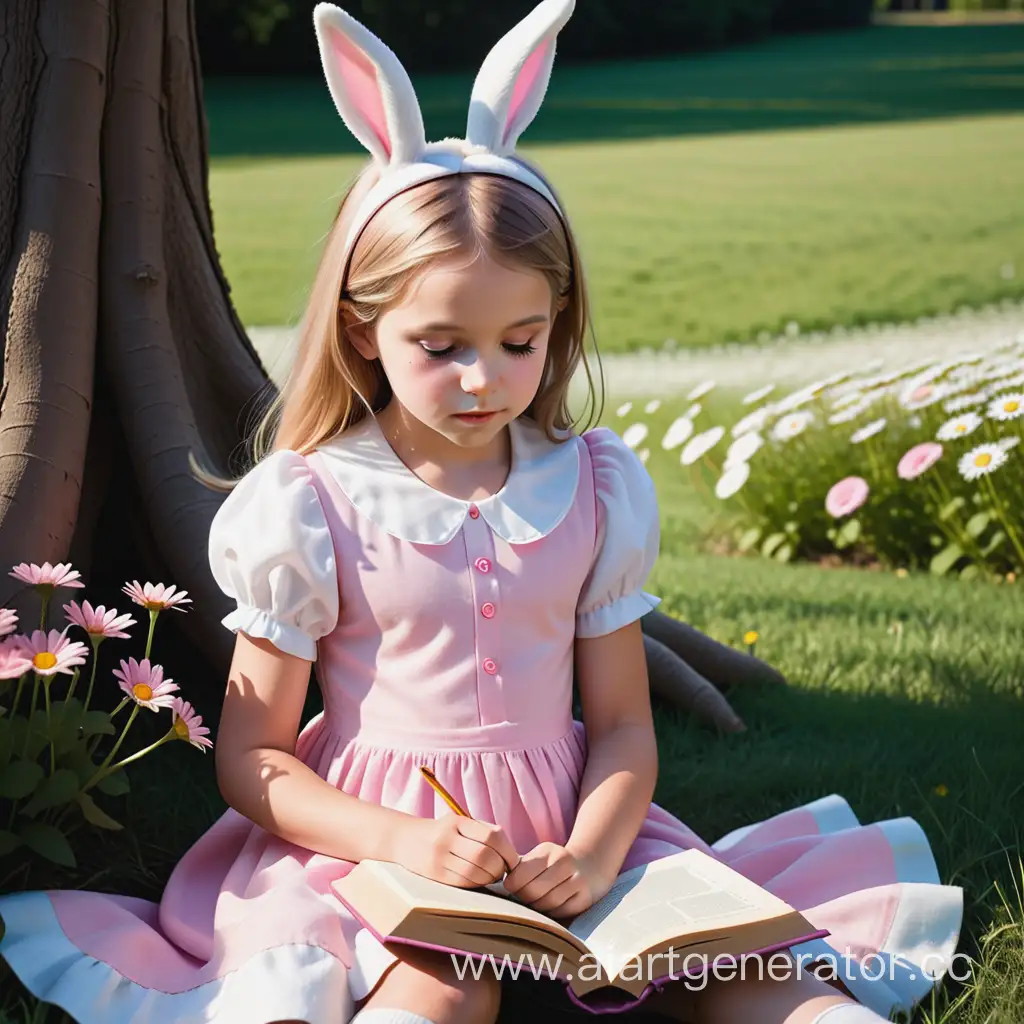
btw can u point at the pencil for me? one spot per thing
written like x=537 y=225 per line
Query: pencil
x=442 y=792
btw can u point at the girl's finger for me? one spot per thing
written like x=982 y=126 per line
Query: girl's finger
x=476 y=853
x=468 y=874
x=491 y=836
x=544 y=882
x=553 y=899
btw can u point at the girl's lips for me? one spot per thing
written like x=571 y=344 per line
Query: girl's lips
x=474 y=417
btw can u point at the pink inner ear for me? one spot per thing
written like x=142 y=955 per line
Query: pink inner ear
x=525 y=81
x=362 y=85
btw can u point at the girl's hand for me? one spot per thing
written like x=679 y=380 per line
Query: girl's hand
x=458 y=851
x=556 y=882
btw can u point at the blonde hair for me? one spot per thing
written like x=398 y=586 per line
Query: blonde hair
x=331 y=386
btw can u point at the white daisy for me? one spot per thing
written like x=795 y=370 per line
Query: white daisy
x=756 y=396
x=980 y=461
x=700 y=390
x=1006 y=443
x=679 y=430
x=752 y=421
x=634 y=434
x=743 y=448
x=653 y=405
x=868 y=430
x=644 y=454
x=623 y=409
x=701 y=445
x=919 y=394
x=843 y=400
x=732 y=480
x=791 y=425
x=796 y=398
x=959 y=426
x=1007 y=407
x=962 y=402
x=850 y=413
x=694 y=411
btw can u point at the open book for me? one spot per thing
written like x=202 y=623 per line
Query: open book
x=667 y=920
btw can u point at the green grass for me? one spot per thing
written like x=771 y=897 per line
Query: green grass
x=828 y=180
x=896 y=686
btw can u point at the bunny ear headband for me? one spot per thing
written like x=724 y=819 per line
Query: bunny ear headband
x=375 y=98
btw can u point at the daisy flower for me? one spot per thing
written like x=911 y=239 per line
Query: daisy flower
x=52 y=652
x=981 y=461
x=634 y=434
x=752 y=421
x=1006 y=443
x=846 y=496
x=732 y=480
x=918 y=395
x=15 y=661
x=99 y=622
x=694 y=411
x=851 y=412
x=961 y=402
x=701 y=445
x=46 y=577
x=756 y=396
x=868 y=430
x=188 y=725
x=623 y=409
x=700 y=390
x=1007 y=407
x=679 y=430
x=653 y=405
x=644 y=454
x=959 y=426
x=145 y=683
x=743 y=449
x=918 y=459
x=790 y=426
x=8 y=621
x=157 y=596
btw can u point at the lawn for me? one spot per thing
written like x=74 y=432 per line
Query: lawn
x=898 y=687
x=825 y=180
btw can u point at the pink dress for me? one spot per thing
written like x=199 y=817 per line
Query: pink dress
x=442 y=632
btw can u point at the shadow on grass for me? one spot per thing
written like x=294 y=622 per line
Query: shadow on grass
x=885 y=755
x=865 y=76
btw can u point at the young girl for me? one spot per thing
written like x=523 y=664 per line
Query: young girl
x=431 y=534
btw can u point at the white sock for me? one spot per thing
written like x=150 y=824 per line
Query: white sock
x=847 y=1013
x=382 y=1015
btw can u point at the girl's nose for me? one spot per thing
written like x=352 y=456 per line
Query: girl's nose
x=478 y=378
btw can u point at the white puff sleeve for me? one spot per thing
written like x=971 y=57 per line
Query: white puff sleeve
x=271 y=550
x=628 y=535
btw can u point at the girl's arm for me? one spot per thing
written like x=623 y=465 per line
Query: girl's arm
x=260 y=777
x=622 y=756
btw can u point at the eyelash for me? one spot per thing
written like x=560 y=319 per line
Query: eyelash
x=518 y=351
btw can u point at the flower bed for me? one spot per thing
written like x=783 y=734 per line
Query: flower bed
x=915 y=468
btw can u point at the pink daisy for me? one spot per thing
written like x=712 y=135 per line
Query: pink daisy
x=145 y=684
x=99 y=621
x=46 y=577
x=918 y=459
x=15 y=661
x=846 y=496
x=188 y=725
x=8 y=621
x=52 y=652
x=156 y=596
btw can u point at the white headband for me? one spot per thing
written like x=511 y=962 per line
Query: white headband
x=377 y=102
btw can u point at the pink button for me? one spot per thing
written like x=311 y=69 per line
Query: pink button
x=487 y=610
x=474 y=512
x=483 y=564
x=489 y=666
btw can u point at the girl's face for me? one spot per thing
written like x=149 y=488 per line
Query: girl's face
x=467 y=337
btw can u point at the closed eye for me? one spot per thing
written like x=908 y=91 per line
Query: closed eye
x=512 y=350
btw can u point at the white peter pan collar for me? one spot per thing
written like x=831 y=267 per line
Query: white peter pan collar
x=535 y=498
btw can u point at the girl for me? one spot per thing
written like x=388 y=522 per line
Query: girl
x=431 y=534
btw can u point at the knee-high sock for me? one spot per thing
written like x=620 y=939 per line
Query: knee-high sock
x=847 y=1013
x=382 y=1015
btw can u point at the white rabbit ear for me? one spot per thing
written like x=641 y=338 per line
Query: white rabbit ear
x=370 y=88
x=512 y=80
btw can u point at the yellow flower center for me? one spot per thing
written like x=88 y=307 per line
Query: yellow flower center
x=750 y=637
x=180 y=728
x=153 y=606
x=960 y=428
x=44 y=659
x=942 y=790
x=982 y=460
x=1011 y=406
x=143 y=691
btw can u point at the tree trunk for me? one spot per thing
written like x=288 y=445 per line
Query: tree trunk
x=123 y=352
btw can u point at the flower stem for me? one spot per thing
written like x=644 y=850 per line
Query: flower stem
x=96 y=641
x=169 y=735
x=49 y=730
x=1003 y=515
x=31 y=712
x=153 y=613
x=17 y=693
x=99 y=773
x=44 y=608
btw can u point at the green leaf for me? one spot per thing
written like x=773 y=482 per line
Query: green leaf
x=784 y=553
x=96 y=815
x=95 y=722
x=6 y=743
x=38 y=737
x=946 y=559
x=749 y=538
x=58 y=789
x=49 y=842
x=114 y=785
x=8 y=842
x=950 y=507
x=792 y=527
x=19 y=778
x=977 y=523
x=771 y=543
x=848 y=533
x=970 y=572
x=995 y=540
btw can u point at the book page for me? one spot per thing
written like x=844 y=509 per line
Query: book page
x=686 y=894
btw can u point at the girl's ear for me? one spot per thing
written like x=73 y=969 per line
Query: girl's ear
x=512 y=80
x=370 y=88
x=359 y=334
